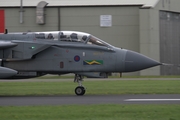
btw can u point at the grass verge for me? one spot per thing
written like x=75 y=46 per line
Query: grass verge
x=91 y=112
x=93 y=87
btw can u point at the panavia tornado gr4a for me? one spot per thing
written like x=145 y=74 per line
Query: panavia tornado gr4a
x=34 y=54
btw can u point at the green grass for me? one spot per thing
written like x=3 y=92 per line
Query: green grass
x=91 y=112
x=93 y=87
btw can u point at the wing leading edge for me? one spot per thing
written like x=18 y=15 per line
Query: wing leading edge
x=7 y=44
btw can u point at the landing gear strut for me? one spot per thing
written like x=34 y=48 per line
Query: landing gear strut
x=79 y=90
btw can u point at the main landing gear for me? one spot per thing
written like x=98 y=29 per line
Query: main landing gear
x=79 y=90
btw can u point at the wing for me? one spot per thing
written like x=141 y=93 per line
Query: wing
x=7 y=72
x=23 y=50
x=7 y=44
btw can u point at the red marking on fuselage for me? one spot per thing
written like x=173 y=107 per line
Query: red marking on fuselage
x=76 y=58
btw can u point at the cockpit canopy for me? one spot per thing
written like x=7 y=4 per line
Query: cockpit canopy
x=71 y=36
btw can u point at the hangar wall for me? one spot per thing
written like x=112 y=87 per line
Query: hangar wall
x=12 y=19
x=170 y=41
x=150 y=36
x=124 y=31
x=125 y=24
x=169 y=18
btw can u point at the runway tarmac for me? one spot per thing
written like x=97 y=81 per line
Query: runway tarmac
x=90 y=99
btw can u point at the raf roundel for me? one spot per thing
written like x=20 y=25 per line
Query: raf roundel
x=76 y=58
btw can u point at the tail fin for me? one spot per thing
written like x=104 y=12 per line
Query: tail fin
x=2 y=21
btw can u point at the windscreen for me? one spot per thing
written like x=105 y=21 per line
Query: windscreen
x=96 y=41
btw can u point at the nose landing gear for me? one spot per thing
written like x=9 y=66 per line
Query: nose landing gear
x=79 y=90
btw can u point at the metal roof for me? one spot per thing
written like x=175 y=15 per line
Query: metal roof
x=33 y=3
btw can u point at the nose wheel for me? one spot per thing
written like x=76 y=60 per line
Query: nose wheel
x=79 y=90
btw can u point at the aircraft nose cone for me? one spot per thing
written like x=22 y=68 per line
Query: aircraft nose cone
x=135 y=62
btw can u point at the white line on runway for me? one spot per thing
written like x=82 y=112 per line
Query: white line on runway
x=140 y=100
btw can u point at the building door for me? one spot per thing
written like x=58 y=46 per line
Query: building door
x=170 y=42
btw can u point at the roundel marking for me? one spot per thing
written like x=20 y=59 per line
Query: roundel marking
x=76 y=58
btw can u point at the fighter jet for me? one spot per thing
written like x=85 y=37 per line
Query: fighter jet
x=34 y=54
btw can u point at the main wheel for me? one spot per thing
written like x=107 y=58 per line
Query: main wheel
x=80 y=90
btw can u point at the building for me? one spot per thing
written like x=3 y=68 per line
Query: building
x=150 y=27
